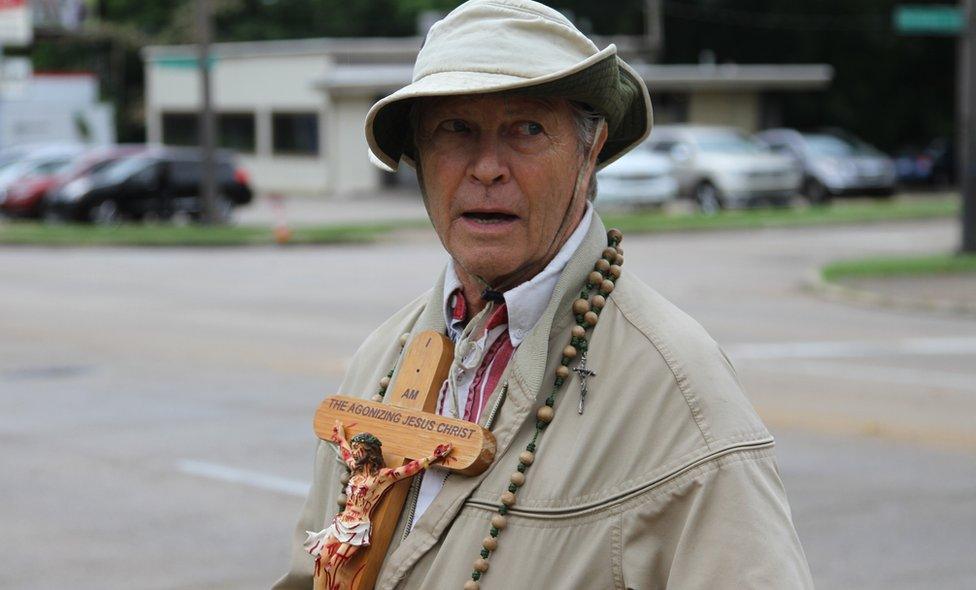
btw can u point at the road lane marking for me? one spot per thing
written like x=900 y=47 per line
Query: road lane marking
x=879 y=374
x=252 y=479
x=853 y=349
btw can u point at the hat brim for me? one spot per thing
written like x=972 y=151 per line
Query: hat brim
x=602 y=81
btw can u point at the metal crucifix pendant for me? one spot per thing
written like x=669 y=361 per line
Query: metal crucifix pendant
x=583 y=373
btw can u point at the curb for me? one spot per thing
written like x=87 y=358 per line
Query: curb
x=815 y=283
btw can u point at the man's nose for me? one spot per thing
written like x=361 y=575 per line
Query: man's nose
x=488 y=166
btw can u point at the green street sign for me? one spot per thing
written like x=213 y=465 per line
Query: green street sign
x=182 y=62
x=929 y=19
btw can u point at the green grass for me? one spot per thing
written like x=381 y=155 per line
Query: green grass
x=838 y=213
x=904 y=266
x=37 y=234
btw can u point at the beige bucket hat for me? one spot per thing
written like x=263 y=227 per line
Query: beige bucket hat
x=519 y=47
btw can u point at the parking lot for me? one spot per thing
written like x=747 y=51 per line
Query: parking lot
x=156 y=405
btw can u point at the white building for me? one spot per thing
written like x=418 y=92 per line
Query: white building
x=53 y=108
x=294 y=110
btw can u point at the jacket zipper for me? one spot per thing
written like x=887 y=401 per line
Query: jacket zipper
x=414 y=494
x=413 y=498
x=582 y=509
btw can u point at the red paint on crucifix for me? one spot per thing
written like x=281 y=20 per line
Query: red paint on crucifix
x=370 y=479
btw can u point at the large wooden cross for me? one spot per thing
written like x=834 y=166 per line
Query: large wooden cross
x=408 y=429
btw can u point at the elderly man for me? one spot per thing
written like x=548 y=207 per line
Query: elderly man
x=628 y=456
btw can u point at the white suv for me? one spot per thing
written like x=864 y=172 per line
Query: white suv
x=722 y=167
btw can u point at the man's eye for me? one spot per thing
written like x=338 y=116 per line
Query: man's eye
x=530 y=128
x=454 y=126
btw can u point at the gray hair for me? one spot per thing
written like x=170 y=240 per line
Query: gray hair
x=585 y=119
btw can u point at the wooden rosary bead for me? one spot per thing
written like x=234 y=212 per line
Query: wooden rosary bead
x=545 y=414
x=377 y=397
x=403 y=339
x=606 y=270
x=342 y=500
x=385 y=382
x=344 y=478
x=591 y=318
x=581 y=306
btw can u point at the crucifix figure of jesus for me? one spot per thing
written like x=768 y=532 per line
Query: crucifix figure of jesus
x=370 y=479
x=389 y=441
x=583 y=373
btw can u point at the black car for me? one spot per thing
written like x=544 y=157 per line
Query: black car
x=154 y=184
x=935 y=165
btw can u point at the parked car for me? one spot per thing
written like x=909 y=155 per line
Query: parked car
x=722 y=167
x=935 y=165
x=158 y=183
x=24 y=180
x=639 y=178
x=15 y=153
x=835 y=163
x=25 y=196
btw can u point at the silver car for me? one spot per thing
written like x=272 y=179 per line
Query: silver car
x=835 y=163
x=722 y=167
x=639 y=178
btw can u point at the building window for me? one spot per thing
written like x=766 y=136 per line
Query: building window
x=295 y=133
x=235 y=131
x=180 y=129
x=670 y=107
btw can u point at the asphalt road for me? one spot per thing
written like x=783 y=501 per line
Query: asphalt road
x=155 y=405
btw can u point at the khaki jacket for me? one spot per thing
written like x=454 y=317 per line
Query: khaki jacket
x=666 y=481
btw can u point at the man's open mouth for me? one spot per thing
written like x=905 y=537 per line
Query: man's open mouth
x=489 y=217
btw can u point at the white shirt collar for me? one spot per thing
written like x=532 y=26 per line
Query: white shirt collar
x=526 y=302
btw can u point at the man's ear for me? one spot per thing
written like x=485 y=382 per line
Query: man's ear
x=601 y=138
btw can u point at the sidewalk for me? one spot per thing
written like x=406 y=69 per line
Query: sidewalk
x=953 y=294
x=379 y=206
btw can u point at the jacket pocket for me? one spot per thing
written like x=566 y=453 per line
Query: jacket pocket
x=614 y=501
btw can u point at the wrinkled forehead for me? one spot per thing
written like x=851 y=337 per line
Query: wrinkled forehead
x=495 y=104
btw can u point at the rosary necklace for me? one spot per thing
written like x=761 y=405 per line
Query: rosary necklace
x=586 y=311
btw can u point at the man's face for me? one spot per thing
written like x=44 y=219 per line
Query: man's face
x=360 y=453
x=498 y=173
x=357 y=449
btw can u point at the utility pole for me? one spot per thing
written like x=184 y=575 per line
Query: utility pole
x=967 y=130
x=653 y=28
x=208 y=183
